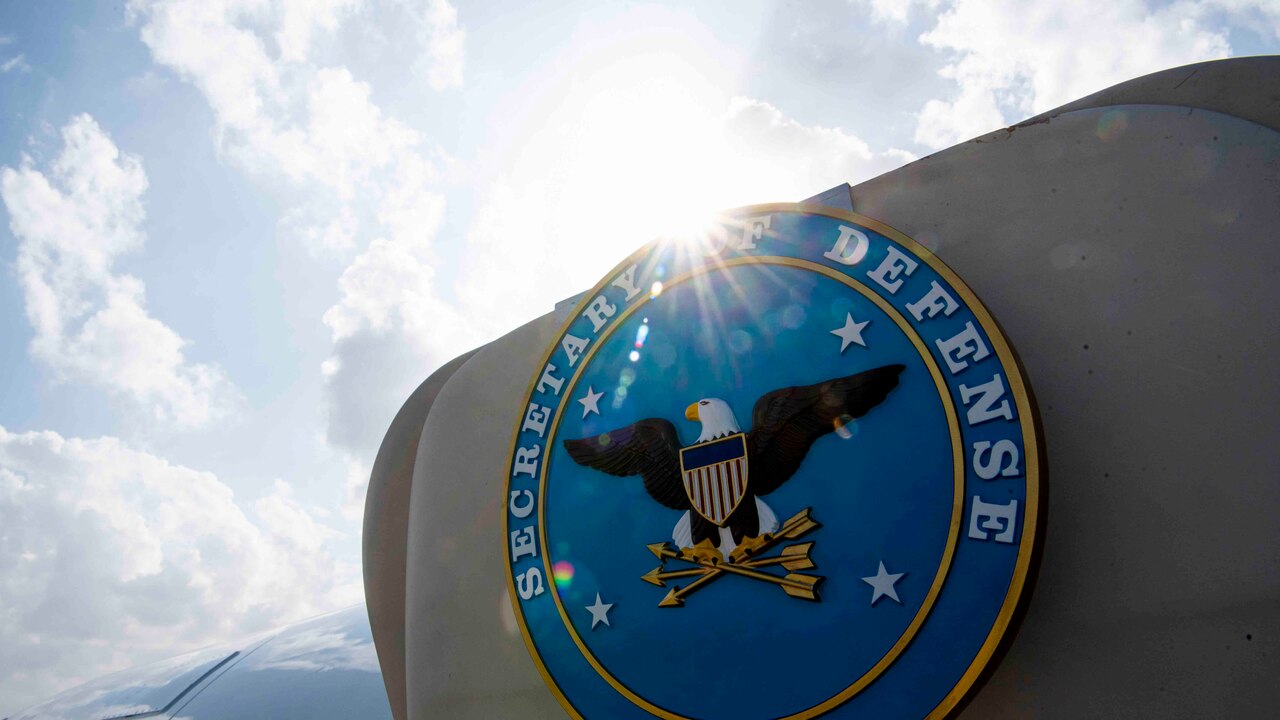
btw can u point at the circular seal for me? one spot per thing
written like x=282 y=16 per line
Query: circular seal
x=785 y=471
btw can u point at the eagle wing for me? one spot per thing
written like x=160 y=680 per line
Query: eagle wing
x=785 y=422
x=648 y=448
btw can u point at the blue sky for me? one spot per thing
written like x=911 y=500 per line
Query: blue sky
x=237 y=233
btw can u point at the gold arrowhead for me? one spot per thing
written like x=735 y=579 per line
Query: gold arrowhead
x=672 y=599
x=654 y=576
x=658 y=549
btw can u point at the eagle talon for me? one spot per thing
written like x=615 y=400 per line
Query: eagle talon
x=749 y=547
x=703 y=552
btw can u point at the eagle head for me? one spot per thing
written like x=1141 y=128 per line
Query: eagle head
x=716 y=417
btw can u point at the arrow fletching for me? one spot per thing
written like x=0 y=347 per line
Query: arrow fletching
x=801 y=586
x=797 y=557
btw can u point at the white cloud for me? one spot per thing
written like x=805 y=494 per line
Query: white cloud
x=277 y=115
x=896 y=11
x=110 y=557
x=804 y=159
x=1261 y=16
x=390 y=329
x=321 y=230
x=356 y=488
x=17 y=62
x=1010 y=60
x=91 y=323
x=294 y=526
x=347 y=138
x=445 y=42
x=386 y=286
x=145 y=85
x=368 y=178
x=300 y=20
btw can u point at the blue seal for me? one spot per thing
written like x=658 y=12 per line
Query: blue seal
x=786 y=470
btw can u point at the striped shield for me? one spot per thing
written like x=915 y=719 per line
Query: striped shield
x=715 y=476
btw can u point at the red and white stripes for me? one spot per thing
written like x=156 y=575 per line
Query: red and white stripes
x=717 y=489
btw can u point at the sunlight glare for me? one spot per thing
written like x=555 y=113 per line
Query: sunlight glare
x=641 y=155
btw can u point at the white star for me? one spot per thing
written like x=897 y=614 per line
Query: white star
x=600 y=612
x=851 y=332
x=589 y=402
x=882 y=583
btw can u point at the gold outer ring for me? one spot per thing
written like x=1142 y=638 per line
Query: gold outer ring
x=1035 y=463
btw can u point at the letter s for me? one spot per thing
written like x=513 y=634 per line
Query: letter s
x=529 y=584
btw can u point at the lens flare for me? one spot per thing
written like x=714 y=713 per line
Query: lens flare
x=845 y=426
x=655 y=289
x=562 y=570
x=793 y=316
x=1112 y=124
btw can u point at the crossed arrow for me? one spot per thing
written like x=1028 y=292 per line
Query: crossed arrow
x=792 y=557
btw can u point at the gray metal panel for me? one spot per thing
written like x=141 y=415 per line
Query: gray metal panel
x=466 y=659
x=386 y=527
x=839 y=197
x=1135 y=270
x=1248 y=88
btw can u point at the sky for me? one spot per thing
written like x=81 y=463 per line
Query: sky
x=238 y=233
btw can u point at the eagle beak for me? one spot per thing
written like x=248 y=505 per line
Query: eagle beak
x=691 y=412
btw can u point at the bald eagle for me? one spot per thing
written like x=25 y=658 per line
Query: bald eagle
x=784 y=424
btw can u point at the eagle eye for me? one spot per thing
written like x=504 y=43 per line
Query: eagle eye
x=702 y=402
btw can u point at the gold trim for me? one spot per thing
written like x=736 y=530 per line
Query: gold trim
x=956 y=451
x=1028 y=419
